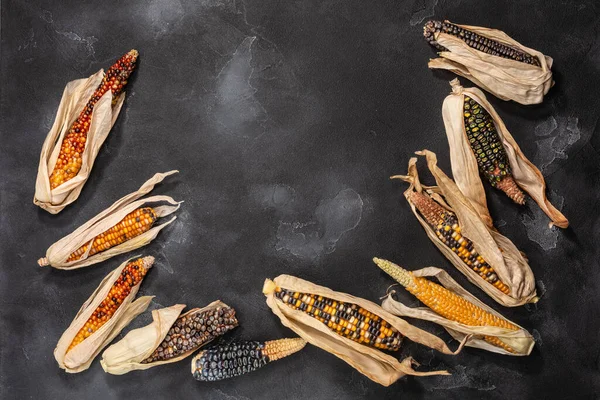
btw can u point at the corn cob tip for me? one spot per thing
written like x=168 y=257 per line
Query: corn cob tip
x=277 y=349
x=133 y=53
x=402 y=276
x=269 y=287
x=43 y=262
x=147 y=262
x=512 y=190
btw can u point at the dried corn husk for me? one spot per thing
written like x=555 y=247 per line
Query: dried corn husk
x=464 y=165
x=81 y=356
x=376 y=365
x=499 y=252
x=521 y=341
x=75 y=96
x=59 y=252
x=504 y=78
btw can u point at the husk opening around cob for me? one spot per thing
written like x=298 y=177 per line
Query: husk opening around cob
x=75 y=96
x=504 y=78
x=520 y=341
x=375 y=364
x=464 y=164
x=81 y=356
x=498 y=251
x=58 y=253
x=127 y=354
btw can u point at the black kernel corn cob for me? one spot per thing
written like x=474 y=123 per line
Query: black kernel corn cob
x=193 y=330
x=475 y=41
x=227 y=361
x=488 y=149
x=345 y=319
x=445 y=225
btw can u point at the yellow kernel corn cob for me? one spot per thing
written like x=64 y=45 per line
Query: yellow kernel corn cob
x=447 y=303
x=134 y=224
x=345 y=319
x=445 y=225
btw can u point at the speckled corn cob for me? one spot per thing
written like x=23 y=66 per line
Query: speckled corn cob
x=475 y=41
x=227 y=361
x=445 y=225
x=447 y=303
x=132 y=275
x=488 y=149
x=69 y=159
x=345 y=319
x=192 y=331
x=134 y=224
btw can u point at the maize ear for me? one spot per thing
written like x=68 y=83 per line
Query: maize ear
x=69 y=159
x=446 y=303
x=238 y=358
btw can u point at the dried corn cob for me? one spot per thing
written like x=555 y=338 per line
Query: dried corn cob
x=446 y=303
x=132 y=275
x=475 y=41
x=191 y=331
x=135 y=223
x=345 y=319
x=488 y=149
x=445 y=225
x=69 y=159
x=227 y=361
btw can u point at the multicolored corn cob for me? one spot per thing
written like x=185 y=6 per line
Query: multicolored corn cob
x=445 y=225
x=447 y=303
x=475 y=41
x=191 y=331
x=69 y=159
x=133 y=224
x=345 y=319
x=132 y=275
x=488 y=149
x=227 y=361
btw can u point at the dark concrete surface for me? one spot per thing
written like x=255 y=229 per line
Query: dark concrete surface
x=286 y=119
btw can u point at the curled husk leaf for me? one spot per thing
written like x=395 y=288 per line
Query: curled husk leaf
x=504 y=78
x=58 y=254
x=375 y=364
x=75 y=96
x=521 y=341
x=500 y=253
x=81 y=356
x=464 y=164
x=127 y=354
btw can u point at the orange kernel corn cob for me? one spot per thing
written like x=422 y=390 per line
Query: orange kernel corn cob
x=132 y=275
x=69 y=159
x=447 y=303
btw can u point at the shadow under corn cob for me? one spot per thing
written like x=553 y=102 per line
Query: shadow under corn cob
x=447 y=303
x=445 y=225
x=69 y=159
x=193 y=330
x=475 y=41
x=238 y=358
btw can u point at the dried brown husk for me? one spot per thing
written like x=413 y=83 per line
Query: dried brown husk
x=375 y=364
x=504 y=78
x=464 y=164
x=521 y=341
x=76 y=95
x=499 y=252
x=81 y=356
x=59 y=252
x=127 y=354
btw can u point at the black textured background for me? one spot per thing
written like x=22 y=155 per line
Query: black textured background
x=286 y=119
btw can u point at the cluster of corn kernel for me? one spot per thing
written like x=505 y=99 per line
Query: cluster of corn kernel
x=445 y=225
x=488 y=149
x=447 y=303
x=227 y=361
x=131 y=275
x=133 y=224
x=192 y=331
x=69 y=159
x=348 y=320
x=475 y=41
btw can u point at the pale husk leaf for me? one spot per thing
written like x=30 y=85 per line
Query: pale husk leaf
x=75 y=96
